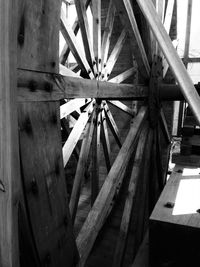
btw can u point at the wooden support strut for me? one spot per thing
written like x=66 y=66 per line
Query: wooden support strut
x=126 y=217
x=81 y=167
x=101 y=207
x=172 y=57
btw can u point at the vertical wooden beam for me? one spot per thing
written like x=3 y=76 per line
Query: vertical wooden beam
x=44 y=187
x=96 y=10
x=9 y=148
x=172 y=57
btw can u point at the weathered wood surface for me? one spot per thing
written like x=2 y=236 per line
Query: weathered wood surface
x=36 y=86
x=44 y=184
x=126 y=217
x=101 y=207
x=76 y=133
x=40 y=139
x=181 y=175
x=81 y=167
x=9 y=154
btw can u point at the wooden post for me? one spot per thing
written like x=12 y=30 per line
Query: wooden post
x=40 y=139
x=9 y=158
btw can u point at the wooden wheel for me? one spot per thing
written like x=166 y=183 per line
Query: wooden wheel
x=95 y=124
x=89 y=97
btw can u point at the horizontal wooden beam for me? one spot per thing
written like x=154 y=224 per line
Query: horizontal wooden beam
x=37 y=86
x=40 y=86
x=101 y=207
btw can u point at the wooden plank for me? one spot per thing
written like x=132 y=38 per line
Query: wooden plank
x=44 y=182
x=183 y=180
x=112 y=124
x=9 y=153
x=81 y=167
x=75 y=27
x=87 y=40
x=128 y=21
x=122 y=107
x=130 y=199
x=96 y=11
x=123 y=76
x=76 y=133
x=107 y=33
x=96 y=157
x=172 y=57
x=72 y=105
x=66 y=129
x=105 y=140
x=101 y=207
x=114 y=55
x=38 y=86
x=77 y=52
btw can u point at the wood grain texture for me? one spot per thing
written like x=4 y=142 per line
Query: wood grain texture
x=101 y=207
x=169 y=194
x=126 y=217
x=37 y=86
x=40 y=138
x=9 y=153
